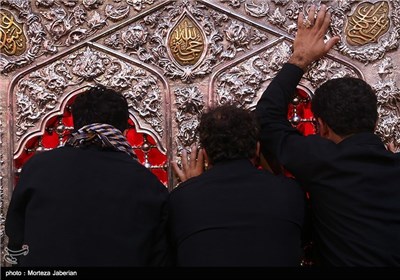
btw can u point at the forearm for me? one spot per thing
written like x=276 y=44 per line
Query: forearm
x=272 y=110
x=14 y=226
x=273 y=105
x=278 y=136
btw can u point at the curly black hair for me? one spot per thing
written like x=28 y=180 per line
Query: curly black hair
x=228 y=132
x=347 y=105
x=100 y=105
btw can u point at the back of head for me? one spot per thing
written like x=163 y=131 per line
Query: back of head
x=228 y=132
x=347 y=105
x=100 y=105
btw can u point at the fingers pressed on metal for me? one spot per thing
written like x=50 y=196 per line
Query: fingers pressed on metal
x=332 y=41
x=326 y=21
x=307 y=23
x=193 y=156
x=321 y=17
x=200 y=157
x=178 y=171
x=300 y=20
x=185 y=165
x=311 y=13
x=310 y=19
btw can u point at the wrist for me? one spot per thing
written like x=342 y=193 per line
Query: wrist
x=300 y=61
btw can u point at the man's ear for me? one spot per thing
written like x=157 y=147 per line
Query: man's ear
x=264 y=163
x=258 y=149
x=323 y=128
x=125 y=132
x=326 y=132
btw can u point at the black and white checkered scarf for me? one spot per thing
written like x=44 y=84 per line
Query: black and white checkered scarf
x=103 y=135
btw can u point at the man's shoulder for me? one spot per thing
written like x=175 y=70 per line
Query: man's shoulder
x=269 y=177
x=188 y=184
x=253 y=177
x=48 y=154
x=265 y=182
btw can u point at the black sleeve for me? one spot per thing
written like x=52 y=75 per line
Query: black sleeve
x=272 y=108
x=293 y=150
x=15 y=219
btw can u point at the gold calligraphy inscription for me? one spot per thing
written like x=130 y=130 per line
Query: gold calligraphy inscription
x=367 y=23
x=186 y=42
x=12 y=37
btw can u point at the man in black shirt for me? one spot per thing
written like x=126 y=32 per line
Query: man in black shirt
x=234 y=214
x=89 y=203
x=353 y=181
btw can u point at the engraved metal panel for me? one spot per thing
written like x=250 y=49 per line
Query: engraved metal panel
x=172 y=60
x=41 y=93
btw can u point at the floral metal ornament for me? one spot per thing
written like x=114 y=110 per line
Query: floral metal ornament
x=190 y=104
x=38 y=95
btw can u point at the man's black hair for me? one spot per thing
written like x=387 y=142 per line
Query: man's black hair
x=347 y=105
x=100 y=105
x=227 y=132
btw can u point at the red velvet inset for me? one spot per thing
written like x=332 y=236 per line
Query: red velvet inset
x=59 y=128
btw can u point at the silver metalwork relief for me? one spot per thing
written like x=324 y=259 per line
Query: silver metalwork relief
x=40 y=93
x=236 y=35
x=325 y=69
x=148 y=39
x=139 y=5
x=388 y=95
x=144 y=97
x=241 y=83
x=33 y=29
x=190 y=104
x=51 y=25
x=283 y=14
x=233 y=3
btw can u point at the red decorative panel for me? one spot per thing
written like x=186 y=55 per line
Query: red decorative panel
x=300 y=114
x=59 y=128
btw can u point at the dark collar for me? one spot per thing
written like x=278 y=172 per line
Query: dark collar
x=237 y=163
x=366 y=138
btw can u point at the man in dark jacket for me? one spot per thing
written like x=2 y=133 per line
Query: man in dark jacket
x=234 y=214
x=89 y=203
x=353 y=181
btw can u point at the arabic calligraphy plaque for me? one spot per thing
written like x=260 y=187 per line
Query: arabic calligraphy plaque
x=368 y=22
x=12 y=37
x=186 y=42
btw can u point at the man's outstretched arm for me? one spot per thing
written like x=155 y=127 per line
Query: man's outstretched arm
x=309 y=45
